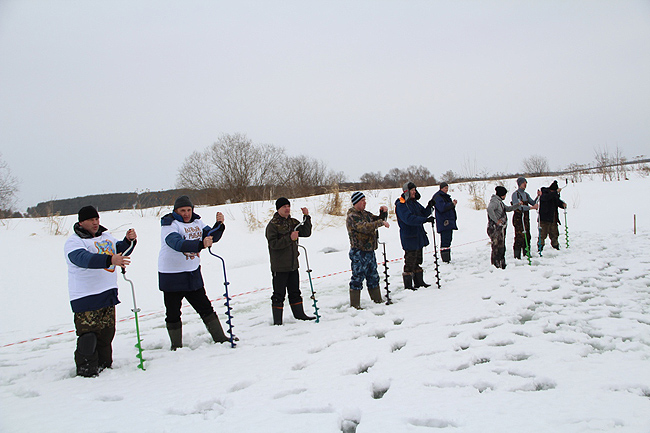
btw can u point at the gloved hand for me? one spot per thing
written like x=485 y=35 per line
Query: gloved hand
x=430 y=219
x=431 y=203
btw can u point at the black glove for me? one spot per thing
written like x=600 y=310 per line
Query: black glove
x=430 y=219
x=383 y=215
x=431 y=203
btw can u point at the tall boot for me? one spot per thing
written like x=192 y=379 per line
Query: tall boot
x=299 y=312
x=375 y=295
x=418 y=280
x=517 y=253
x=175 y=331
x=355 y=299
x=85 y=356
x=408 y=281
x=277 y=314
x=445 y=255
x=214 y=328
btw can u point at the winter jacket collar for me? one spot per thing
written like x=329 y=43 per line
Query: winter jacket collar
x=170 y=217
x=85 y=234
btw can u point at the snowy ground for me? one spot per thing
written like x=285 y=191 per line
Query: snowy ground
x=562 y=345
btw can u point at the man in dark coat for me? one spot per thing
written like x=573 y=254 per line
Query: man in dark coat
x=549 y=203
x=445 y=220
x=282 y=234
x=411 y=217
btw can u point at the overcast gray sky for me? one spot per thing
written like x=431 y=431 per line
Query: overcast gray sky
x=102 y=96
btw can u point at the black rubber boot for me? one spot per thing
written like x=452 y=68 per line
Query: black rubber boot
x=86 y=356
x=355 y=299
x=375 y=295
x=277 y=314
x=175 y=331
x=418 y=280
x=408 y=281
x=445 y=255
x=214 y=328
x=299 y=312
x=518 y=253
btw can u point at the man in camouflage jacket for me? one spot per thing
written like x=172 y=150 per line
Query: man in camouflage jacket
x=362 y=230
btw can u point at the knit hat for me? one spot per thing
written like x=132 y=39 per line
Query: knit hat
x=356 y=197
x=501 y=191
x=553 y=186
x=282 y=201
x=87 y=212
x=443 y=184
x=521 y=180
x=183 y=201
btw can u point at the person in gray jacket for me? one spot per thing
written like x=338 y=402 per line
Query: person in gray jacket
x=497 y=225
x=521 y=217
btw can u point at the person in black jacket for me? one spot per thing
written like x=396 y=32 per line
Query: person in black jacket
x=549 y=203
x=445 y=219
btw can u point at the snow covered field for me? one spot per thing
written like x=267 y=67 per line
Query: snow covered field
x=559 y=346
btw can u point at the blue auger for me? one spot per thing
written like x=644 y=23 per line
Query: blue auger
x=313 y=293
x=232 y=338
x=388 y=300
x=526 y=240
x=435 y=252
x=135 y=310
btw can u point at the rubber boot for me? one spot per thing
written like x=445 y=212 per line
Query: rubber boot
x=408 y=281
x=418 y=280
x=299 y=312
x=85 y=356
x=518 y=253
x=175 y=331
x=214 y=328
x=375 y=295
x=445 y=255
x=355 y=299
x=277 y=314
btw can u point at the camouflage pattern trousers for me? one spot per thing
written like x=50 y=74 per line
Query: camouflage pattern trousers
x=519 y=221
x=96 y=353
x=551 y=230
x=497 y=234
x=364 y=267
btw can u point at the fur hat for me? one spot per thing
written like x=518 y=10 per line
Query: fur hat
x=521 y=180
x=356 y=197
x=501 y=191
x=183 y=201
x=408 y=186
x=282 y=201
x=87 y=212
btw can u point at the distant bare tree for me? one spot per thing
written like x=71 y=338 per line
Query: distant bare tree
x=604 y=163
x=372 y=180
x=449 y=176
x=420 y=175
x=536 y=165
x=8 y=186
x=395 y=178
x=196 y=172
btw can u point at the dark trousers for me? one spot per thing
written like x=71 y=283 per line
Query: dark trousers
x=283 y=283
x=90 y=358
x=412 y=261
x=445 y=239
x=197 y=299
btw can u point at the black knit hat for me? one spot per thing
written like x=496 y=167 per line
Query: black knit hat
x=282 y=201
x=443 y=184
x=356 y=197
x=553 y=186
x=87 y=212
x=501 y=191
x=183 y=201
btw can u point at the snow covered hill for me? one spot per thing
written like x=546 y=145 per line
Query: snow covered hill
x=561 y=345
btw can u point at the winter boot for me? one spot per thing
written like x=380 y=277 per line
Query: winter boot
x=175 y=331
x=299 y=312
x=277 y=314
x=214 y=328
x=375 y=295
x=518 y=253
x=408 y=281
x=355 y=299
x=418 y=280
x=86 y=356
x=445 y=255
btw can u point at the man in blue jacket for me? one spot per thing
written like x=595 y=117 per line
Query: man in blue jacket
x=93 y=256
x=445 y=220
x=411 y=217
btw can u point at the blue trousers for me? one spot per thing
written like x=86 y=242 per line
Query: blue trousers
x=364 y=266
